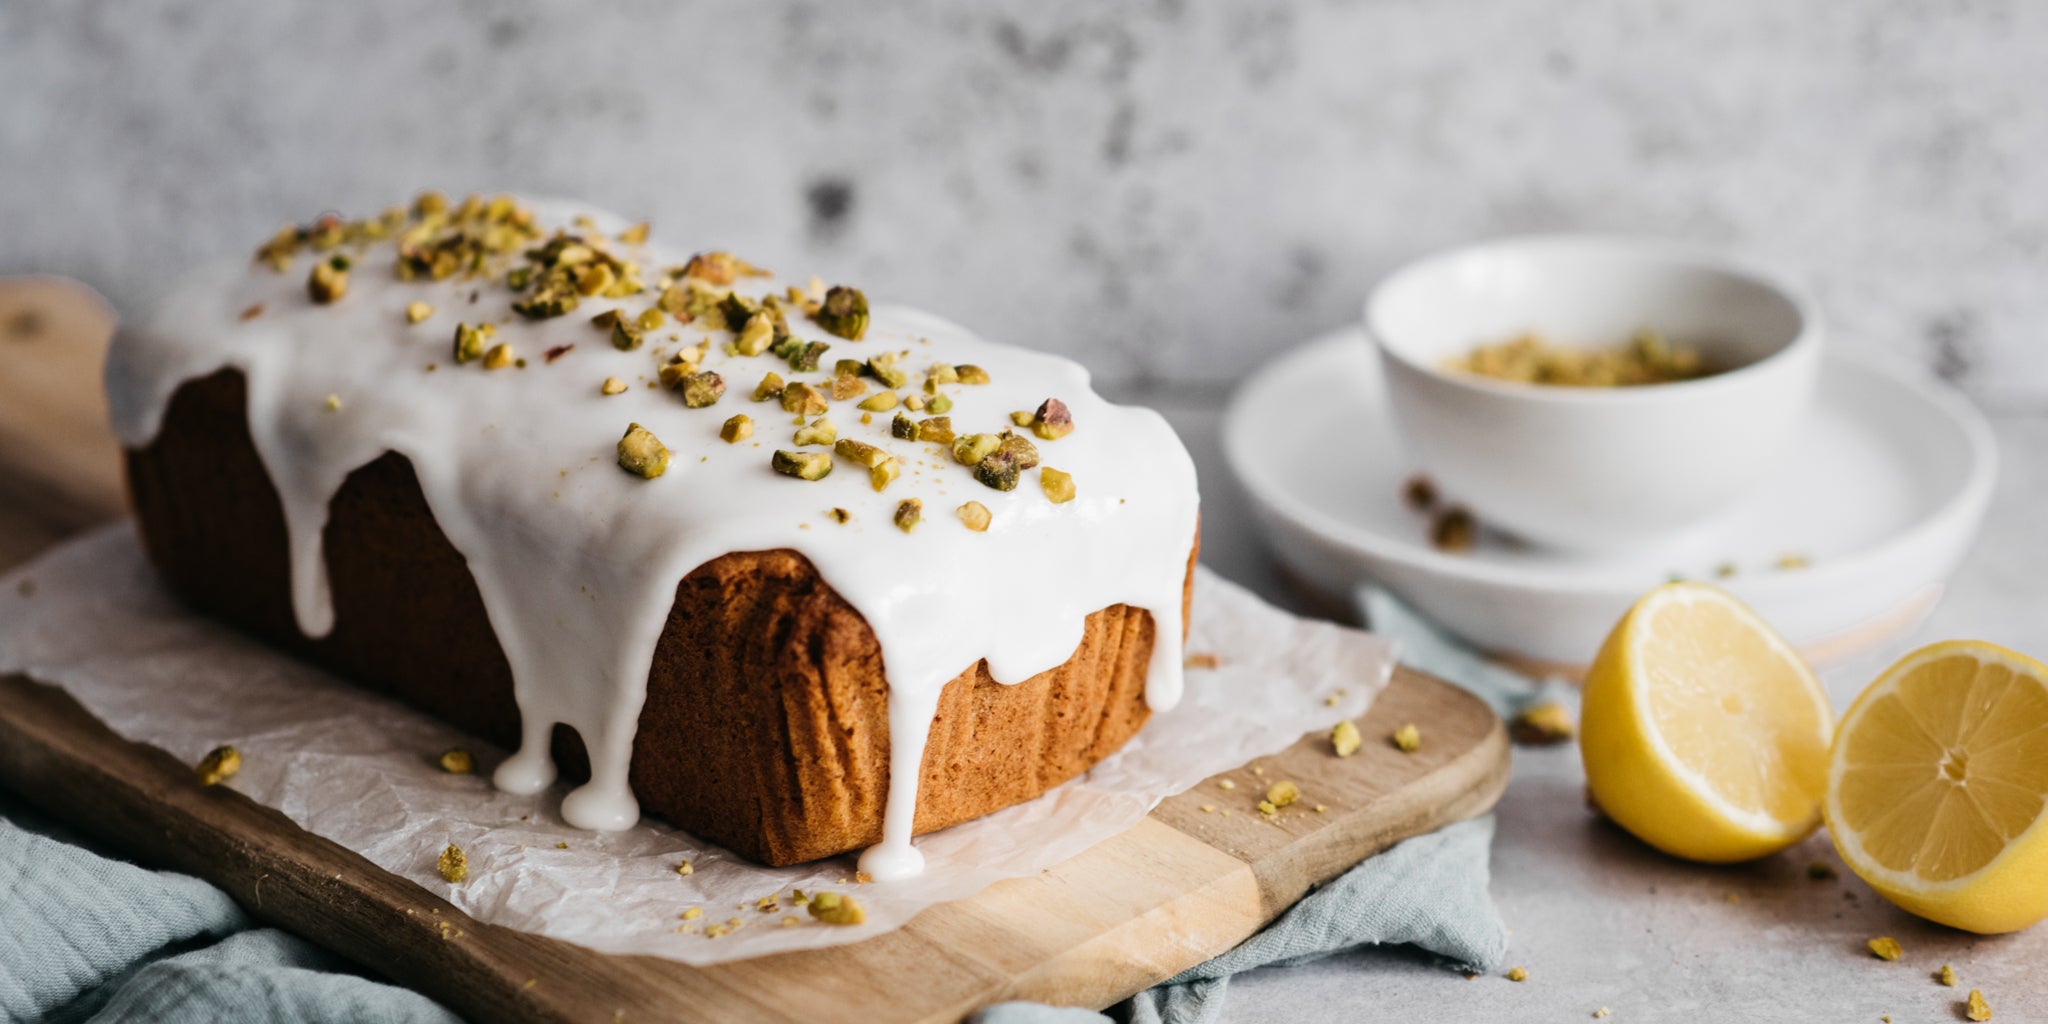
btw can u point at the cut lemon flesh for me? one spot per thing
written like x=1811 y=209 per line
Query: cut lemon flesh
x=1937 y=785
x=1703 y=732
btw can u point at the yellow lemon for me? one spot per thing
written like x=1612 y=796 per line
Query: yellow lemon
x=1703 y=733
x=1937 y=784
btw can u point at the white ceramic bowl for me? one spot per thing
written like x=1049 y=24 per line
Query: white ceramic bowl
x=1594 y=469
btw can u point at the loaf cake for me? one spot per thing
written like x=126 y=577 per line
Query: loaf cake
x=799 y=575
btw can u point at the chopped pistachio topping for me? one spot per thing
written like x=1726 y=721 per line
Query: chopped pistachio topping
x=805 y=359
x=885 y=473
x=770 y=387
x=803 y=399
x=329 y=280
x=968 y=373
x=219 y=765
x=1001 y=468
x=1021 y=418
x=819 y=431
x=1407 y=739
x=453 y=864
x=844 y=313
x=1052 y=421
x=650 y=319
x=909 y=512
x=1542 y=724
x=939 y=403
x=469 y=341
x=755 y=337
x=1976 y=1008
x=498 y=356
x=641 y=453
x=1884 y=947
x=417 y=311
x=718 y=268
x=1948 y=975
x=1344 y=739
x=457 y=761
x=883 y=368
x=844 y=387
x=612 y=386
x=833 y=908
x=914 y=403
x=802 y=465
x=1518 y=974
x=860 y=452
x=938 y=374
x=976 y=516
x=1058 y=486
x=1282 y=793
x=624 y=337
x=937 y=429
x=839 y=515
x=737 y=429
x=702 y=388
x=973 y=448
x=635 y=235
x=903 y=428
x=881 y=401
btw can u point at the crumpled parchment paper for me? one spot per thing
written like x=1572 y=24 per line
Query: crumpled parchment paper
x=90 y=617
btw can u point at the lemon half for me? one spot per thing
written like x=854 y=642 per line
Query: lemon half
x=1703 y=731
x=1937 y=784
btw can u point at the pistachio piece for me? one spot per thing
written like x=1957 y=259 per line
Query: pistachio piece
x=1407 y=739
x=641 y=453
x=718 y=268
x=973 y=448
x=457 y=761
x=976 y=516
x=860 y=452
x=755 y=337
x=820 y=431
x=969 y=373
x=884 y=474
x=1021 y=418
x=803 y=399
x=1000 y=468
x=499 y=356
x=844 y=313
x=548 y=302
x=937 y=429
x=651 y=318
x=805 y=359
x=802 y=465
x=469 y=341
x=937 y=374
x=1058 y=486
x=770 y=387
x=883 y=368
x=913 y=402
x=417 y=311
x=1344 y=739
x=219 y=765
x=624 y=337
x=881 y=401
x=674 y=372
x=1052 y=421
x=844 y=388
x=453 y=864
x=592 y=279
x=329 y=280
x=903 y=428
x=842 y=516
x=737 y=429
x=736 y=309
x=909 y=512
x=939 y=403
x=832 y=908
x=612 y=386
x=702 y=388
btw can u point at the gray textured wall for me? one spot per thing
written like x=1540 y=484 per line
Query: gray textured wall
x=1166 y=190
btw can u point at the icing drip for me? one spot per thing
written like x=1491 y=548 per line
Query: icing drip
x=577 y=562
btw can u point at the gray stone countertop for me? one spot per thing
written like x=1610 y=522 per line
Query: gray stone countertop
x=1600 y=920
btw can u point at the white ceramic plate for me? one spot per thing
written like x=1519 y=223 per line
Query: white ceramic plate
x=1882 y=492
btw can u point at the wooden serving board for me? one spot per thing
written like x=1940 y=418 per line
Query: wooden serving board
x=1179 y=888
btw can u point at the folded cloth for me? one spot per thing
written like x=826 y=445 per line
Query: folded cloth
x=1429 y=891
x=85 y=938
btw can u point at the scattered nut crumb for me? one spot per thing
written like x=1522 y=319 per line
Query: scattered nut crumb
x=1344 y=739
x=976 y=516
x=833 y=908
x=1543 y=724
x=1977 y=1008
x=641 y=453
x=333 y=403
x=1408 y=738
x=1948 y=975
x=417 y=311
x=219 y=765
x=1226 y=784
x=612 y=386
x=1454 y=530
x=1884 y=947
x=1601 y=1013
x=1517 y=974
x=457 y=761
x=453 y=864
x=737 y=429
x=1282 y=793
x=686 y=869
x=1202 y=660
x=1793 y=560
x=693 y=913
x=1322 y=808
x=1208 y=808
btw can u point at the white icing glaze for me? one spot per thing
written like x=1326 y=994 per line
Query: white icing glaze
x=577 y=561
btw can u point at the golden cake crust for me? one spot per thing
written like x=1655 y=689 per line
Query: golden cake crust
x=765 y=725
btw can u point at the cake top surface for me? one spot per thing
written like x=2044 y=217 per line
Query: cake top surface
x=591 y=416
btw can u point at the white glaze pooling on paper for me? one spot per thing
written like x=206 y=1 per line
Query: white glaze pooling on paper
x=577 y=561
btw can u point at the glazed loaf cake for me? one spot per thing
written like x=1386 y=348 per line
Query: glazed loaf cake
x=825 y=623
